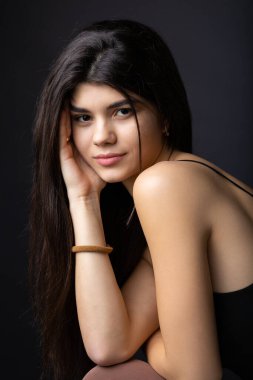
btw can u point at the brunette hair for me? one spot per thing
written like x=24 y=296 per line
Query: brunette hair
x=130 y=57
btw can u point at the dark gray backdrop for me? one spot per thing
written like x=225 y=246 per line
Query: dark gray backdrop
x=212 y=42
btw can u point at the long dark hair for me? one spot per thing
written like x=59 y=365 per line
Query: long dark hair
x=130 y=57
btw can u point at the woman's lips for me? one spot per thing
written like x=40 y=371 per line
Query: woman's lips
x=108 y=160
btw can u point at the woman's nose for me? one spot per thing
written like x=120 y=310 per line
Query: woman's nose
x=104 y=133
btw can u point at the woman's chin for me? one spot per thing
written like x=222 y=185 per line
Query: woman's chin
x=112 y=179
x=115 y=178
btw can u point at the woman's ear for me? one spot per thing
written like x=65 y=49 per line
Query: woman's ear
x=165 y=129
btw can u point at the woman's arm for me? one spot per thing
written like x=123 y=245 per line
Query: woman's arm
x=102 y=313
x=113 y=322
x=155 y=352
x=180 y=199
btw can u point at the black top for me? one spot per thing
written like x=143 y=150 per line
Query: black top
x=234 y=320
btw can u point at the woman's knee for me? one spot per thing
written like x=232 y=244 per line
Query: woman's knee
x=133 y=369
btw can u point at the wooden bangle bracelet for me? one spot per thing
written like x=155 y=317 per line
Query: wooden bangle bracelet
x=91 y=248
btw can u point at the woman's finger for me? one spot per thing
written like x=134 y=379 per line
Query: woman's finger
x=65 y=128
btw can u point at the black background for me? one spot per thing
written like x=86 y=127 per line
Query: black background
x=212 y=42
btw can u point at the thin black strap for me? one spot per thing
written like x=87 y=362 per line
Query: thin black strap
x=216 y=171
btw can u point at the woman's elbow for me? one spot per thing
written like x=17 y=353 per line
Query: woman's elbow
x=107 y=356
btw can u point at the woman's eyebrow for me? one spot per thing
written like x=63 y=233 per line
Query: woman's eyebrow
x=113 y=105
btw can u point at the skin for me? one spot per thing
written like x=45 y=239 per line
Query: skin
x=113 y=130
x=205 y=223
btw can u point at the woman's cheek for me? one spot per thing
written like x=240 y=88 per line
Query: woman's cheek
x=81 y=139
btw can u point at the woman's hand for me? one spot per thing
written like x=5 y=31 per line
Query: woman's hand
x=80 y=179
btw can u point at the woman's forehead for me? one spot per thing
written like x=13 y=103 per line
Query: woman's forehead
x=88 y=92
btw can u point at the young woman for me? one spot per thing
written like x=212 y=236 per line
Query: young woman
x=114 y=166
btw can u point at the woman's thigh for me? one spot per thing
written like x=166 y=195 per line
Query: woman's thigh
x=133 y=369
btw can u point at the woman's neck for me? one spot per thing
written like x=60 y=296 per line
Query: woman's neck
x=166 y=154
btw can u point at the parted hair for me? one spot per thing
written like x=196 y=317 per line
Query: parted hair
x=130 y=57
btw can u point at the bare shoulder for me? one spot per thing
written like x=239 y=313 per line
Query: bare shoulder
x=172 y=191
x=174 y=179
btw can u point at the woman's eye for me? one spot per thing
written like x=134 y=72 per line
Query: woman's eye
x=81 y=118
x=124 y=112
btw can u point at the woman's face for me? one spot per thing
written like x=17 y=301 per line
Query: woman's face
x=105 y=133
